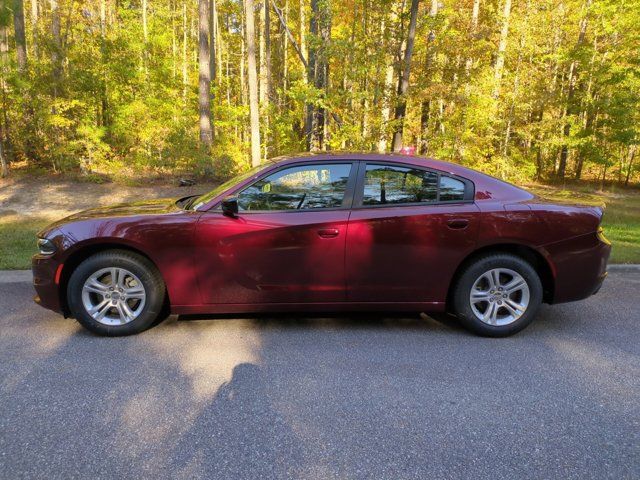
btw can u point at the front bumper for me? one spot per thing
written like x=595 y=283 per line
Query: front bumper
x=44 y=270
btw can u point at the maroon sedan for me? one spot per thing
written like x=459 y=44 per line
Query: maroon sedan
x=326 y=233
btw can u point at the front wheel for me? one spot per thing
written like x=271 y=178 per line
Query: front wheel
x=497 y=295
x=115 y=293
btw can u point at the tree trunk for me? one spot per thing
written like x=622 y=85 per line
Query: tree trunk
x=267 y=49
x=4 y=166
x=56 y=52
x=511 y=117
x=218 y=43
x=145 y=37
x=570 y=108
x=4 y=61
x=311 y=70
x=289 y=35
x=604 y=177
x=630 y=166
x=285 y=52
x=204 y=78
x=425 y=107
x=34 y=26
x=21 y=42
x=475 y=13
x=213 y=42
x=185 y=65
x=303 y=32
x=588 y=124
x=387 y=93
x=268 y=85
x=254 y=107
x=262 y=76
x=227 y=65
x=318 y=71
x=145 y=28
x=104 y=114
x=403 y=81
x=502 y=47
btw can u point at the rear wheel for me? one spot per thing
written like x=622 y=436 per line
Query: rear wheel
x=497 y=295
x=116 y=292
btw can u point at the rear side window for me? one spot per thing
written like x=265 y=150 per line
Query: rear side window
x=451 y=189
x=391 y=184
x=385 y=184
x=298 y=188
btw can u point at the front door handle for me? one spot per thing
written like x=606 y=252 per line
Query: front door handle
x=458 y=223
x=328 y=232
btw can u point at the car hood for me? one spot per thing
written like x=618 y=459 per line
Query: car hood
x=133 y=209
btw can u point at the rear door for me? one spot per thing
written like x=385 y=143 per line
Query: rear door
x=409 y=229
x=287 y=244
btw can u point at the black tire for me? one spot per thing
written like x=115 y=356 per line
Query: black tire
x=147 y=273
x=462 y=289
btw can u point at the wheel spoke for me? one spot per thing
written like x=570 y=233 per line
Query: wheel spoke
x=127 y=309
x=100 y=310
x=134 y=292
x=515 y=308
x=478 y=296
x=124 y=314
x=515 y=285
x=94 y=286
x=117 y=277
x=490 y=281
x=491 y=313
x=495 y=277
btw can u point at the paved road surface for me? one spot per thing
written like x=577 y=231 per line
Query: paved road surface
x=323 y=398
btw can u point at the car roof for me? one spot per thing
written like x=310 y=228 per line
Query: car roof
x=379 y=157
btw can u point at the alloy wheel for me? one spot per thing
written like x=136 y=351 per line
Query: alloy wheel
x=499 y=296
x=113 y=296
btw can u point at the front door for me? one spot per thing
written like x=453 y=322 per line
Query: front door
x=287 y=244
x=408 y=231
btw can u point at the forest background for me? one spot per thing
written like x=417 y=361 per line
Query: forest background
x=543 y=93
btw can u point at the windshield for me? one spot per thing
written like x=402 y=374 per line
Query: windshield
x=201 y=200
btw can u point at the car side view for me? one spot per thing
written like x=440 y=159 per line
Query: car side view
x=326 y=233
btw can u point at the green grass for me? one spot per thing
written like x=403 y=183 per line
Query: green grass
x=621 y=223
x=18 y=240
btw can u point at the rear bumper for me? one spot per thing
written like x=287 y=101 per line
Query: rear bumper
x=44 y=281
x=580 y=266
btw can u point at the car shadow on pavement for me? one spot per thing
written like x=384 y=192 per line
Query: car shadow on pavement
x=239 y=434
x=346 y=321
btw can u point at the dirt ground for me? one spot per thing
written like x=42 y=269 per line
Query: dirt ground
x=58 y=197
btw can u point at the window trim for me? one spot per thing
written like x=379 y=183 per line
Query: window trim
x=347 y=201
x=469 y=187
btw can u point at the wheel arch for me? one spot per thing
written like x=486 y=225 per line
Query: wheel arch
x=81 y=253
x=534 y=257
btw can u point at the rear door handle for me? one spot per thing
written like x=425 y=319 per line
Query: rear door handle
x=328 y=232
x=458 y=223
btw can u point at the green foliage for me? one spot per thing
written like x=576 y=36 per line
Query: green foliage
x=125 y=105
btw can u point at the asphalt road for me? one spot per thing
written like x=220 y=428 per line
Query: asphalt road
x=323 y=398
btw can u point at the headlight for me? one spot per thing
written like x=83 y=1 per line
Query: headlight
x=46 y=247
x=601 y=236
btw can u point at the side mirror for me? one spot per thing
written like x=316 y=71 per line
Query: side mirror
x=230 y=207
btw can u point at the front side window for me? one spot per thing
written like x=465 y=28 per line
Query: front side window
x=297 y=188
x=385 y=184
